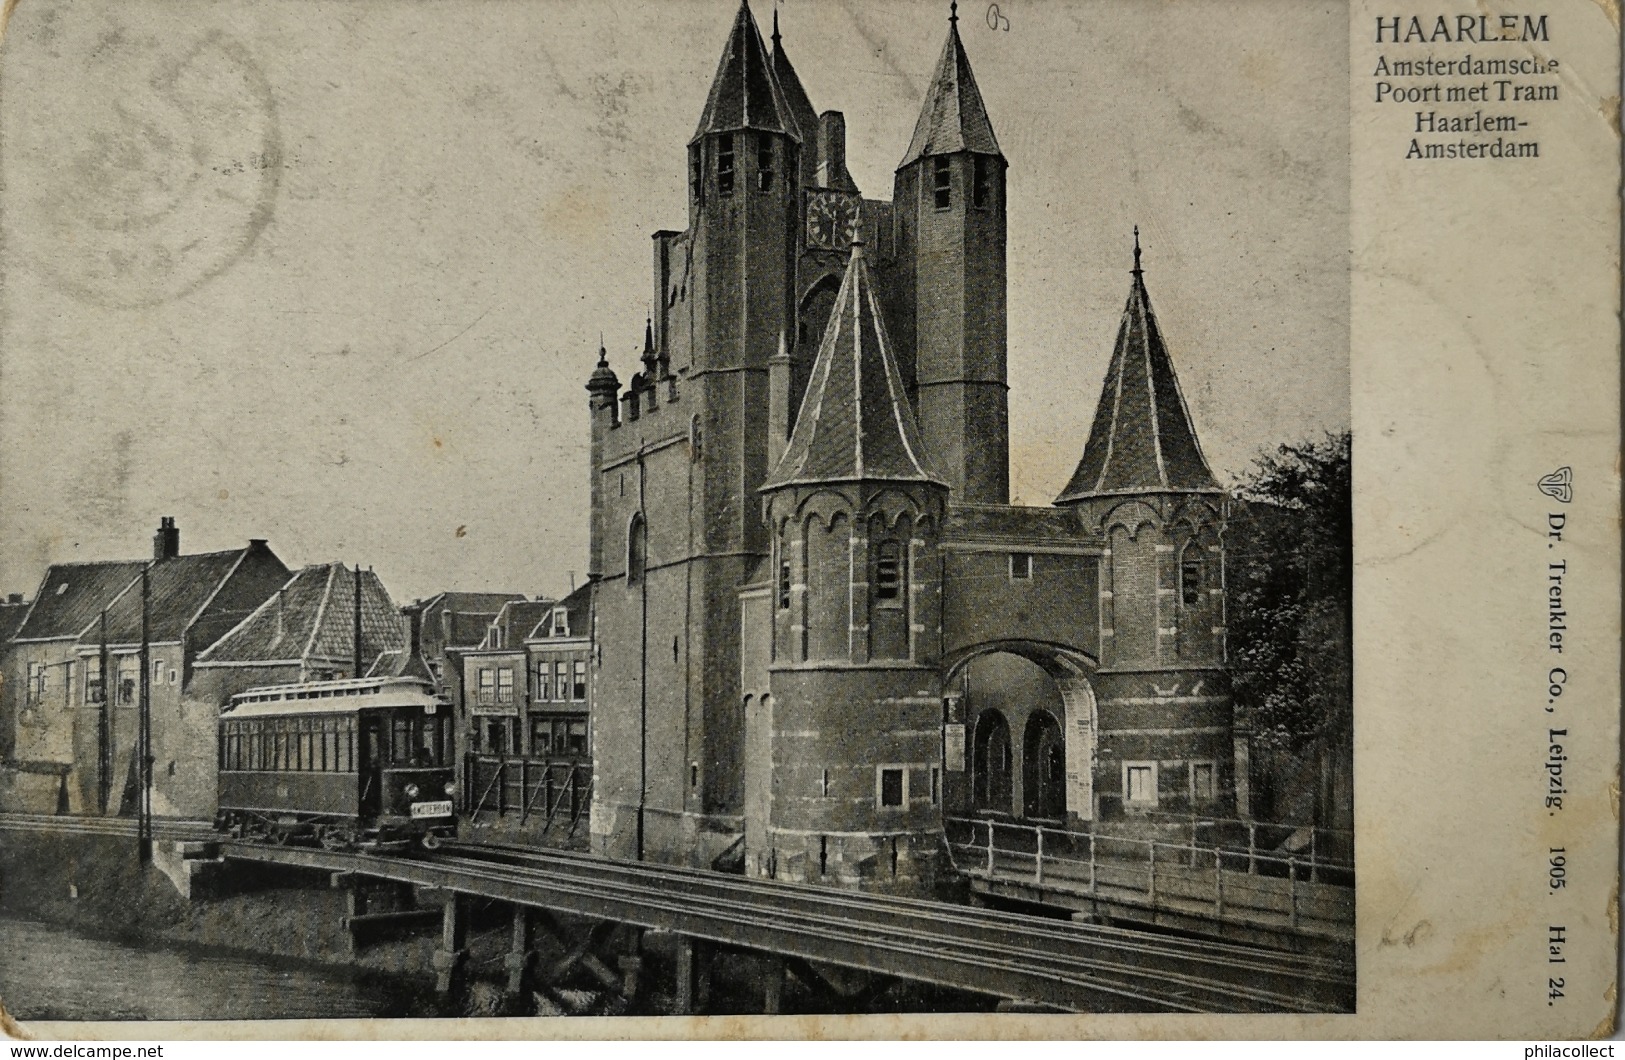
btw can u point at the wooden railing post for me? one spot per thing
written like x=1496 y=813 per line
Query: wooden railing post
x=1091 y=865
x=1038 y=860
x=1252 y=849
x=1313 y=878
x=524 y=789
x=1292 y=889
x=1218 y=882
x=1151 y=876
x=990 y=846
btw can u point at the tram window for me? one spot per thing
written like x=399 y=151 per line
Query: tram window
x=347 y=747
x=401 y=747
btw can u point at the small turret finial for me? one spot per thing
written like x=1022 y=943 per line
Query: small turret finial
x=775 y=27
x=953 y=13
x=1137 y=269
x=603 y=354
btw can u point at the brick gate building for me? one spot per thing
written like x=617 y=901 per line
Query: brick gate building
x=820 y=625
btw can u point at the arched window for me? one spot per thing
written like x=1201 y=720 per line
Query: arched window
x=637 y=550
x=891 y=573
x=1190 y=575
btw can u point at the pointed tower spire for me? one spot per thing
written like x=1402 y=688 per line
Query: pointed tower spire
x=1143 y=439
x=799 y=103
x=953 y=118
x=745 y=94
x=855 y=422
x=649 y=356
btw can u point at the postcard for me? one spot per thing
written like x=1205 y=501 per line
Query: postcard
x=1066 y=519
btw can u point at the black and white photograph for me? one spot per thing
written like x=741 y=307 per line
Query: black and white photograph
x=732 y=507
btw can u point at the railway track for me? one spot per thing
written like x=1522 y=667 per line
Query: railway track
x=183 y=828
x=1130 y=970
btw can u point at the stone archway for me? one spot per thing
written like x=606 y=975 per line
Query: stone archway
x=991 y=761
x=1043 y=764
x=1073 y=736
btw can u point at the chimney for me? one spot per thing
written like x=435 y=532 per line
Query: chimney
x=778 y=404
x=14 y=598
x=166 y=543
x=414 y=630
x=257 y=543
x=832 y=151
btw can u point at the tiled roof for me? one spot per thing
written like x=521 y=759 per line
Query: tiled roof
x=312 y=617
x=578 y=613
x=72 y=595
x=11 y=617
x=855 y=422
x=745 y=94
x=1142 y=438
x=177 y=589
x=954 y=118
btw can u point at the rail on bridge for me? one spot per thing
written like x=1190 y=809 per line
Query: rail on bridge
x=1216 y=878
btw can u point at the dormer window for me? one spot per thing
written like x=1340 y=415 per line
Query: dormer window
x=725 y=164
x=561 y=622
x=942 y=182
x=764 y=161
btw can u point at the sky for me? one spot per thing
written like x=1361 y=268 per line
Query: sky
x=335 y=274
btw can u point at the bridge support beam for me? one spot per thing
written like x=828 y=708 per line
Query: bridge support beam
x=451 y=959
x=521 y=958
x=772 y=985
x=693 y=976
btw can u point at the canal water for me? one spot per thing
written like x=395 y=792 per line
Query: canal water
x=51 y=973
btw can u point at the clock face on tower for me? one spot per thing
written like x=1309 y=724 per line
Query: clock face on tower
x=832 y=219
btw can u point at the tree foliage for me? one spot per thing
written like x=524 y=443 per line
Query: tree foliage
x=1290 y=573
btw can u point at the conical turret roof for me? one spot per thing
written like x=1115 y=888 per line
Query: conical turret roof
x=1142 y=439
x=795 y=93
x=953 y=118
x=745 y=94
x=855 y=423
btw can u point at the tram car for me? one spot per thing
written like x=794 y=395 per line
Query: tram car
x=356 y=764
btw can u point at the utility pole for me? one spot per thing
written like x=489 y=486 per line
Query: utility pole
x=106 y=755
x=356 y=633
x=144 y=728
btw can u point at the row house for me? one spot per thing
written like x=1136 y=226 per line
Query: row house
x=73 y=669
x=525 y=699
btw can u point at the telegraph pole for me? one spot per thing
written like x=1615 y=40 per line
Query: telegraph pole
x=144 y=729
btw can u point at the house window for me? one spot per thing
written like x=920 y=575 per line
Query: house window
x=578 y=690
x=725 y=164
x=505 y=685
x=544 y=687
x=93 y=679
x=486 y=695
x=541 y=737
x=889 y=574
x=129 y=678
x=764 y=161
x=891 y=787
x=561 y=681
x=157 y=671
x=173 y=676
x=1190 y=576
x=1201 y=781
x=1140 y=783
x=36 y=682
x=1021 y=566
x=784 y=587
x=982 y=180
x=936 y=786
x=576 y=738
x=942 y=183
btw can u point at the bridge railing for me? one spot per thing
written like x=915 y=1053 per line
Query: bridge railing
x=1237 y=881
x=557 y=790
